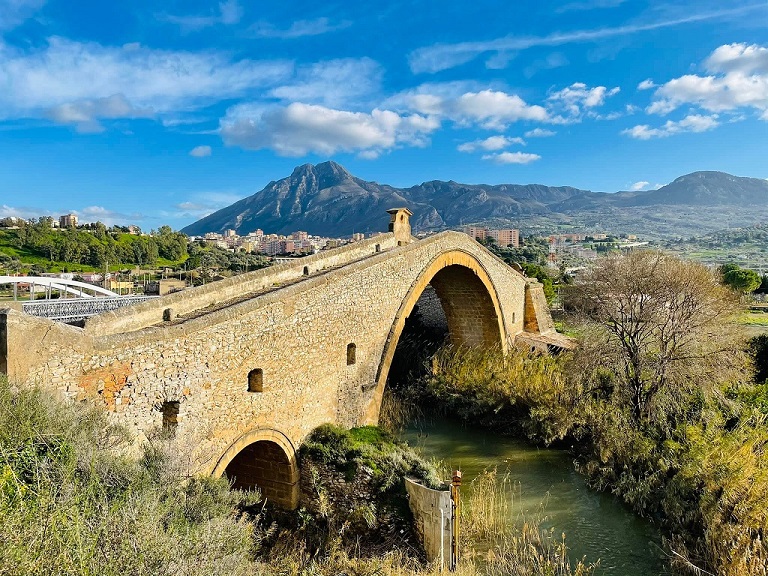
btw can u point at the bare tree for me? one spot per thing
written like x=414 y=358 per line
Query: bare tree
x=661 y=327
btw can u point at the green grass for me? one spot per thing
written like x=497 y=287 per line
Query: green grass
x=369 y=447
x=751 y=318
x=72 y=504
x=30 y=258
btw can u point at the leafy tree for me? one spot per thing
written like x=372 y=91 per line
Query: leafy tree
x=99 y=230
x=171 y=245
x=742 y=280
x=728 y=267
x=758 y=349
x=661 y=330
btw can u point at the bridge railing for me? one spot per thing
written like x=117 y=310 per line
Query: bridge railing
x=73 y=309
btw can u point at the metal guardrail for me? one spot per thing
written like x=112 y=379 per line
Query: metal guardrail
x=73 y=309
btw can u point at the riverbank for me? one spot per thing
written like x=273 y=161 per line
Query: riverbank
x=702 y=474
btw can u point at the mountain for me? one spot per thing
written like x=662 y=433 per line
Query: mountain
x=327 y=200
x=709 y=189
x=323 y=199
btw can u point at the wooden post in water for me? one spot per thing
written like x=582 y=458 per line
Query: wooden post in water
x=456 y=501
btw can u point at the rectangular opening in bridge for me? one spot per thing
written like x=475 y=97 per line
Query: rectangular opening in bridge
x=378 y=247
x=171 y=415
x=256 y=380
x=351 y=354
x=306 y=270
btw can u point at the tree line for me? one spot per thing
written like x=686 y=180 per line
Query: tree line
x=96 y=245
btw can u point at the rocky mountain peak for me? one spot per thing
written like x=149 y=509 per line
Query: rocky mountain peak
x=323 y=175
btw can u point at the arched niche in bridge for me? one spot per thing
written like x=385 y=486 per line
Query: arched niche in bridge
x=263 y=459
x=467 y=299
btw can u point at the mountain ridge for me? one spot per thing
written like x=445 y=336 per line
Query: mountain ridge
x=327 y=200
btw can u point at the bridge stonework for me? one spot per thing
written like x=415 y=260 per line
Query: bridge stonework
x=248 y=366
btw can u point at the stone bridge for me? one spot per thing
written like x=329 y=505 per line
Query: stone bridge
x=241 y=370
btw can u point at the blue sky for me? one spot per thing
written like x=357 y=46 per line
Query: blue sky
x=159 y=113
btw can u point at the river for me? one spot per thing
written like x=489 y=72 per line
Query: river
x=596 y=525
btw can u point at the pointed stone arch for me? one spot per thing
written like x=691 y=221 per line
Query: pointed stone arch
x=469 y=300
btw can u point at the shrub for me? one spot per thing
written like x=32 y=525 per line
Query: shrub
x=369 y=446
x=519 y=391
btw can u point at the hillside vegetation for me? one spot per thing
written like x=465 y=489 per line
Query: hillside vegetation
x=88 y=248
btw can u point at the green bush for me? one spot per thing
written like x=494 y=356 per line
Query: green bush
x=369 y=446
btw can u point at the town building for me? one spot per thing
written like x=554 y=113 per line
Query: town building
x=504 y=238
x=68 y=221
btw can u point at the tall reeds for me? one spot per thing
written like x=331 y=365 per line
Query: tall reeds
x=509 y=542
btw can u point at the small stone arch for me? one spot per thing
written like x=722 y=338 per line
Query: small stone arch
x=481 y=322
x=264 y=458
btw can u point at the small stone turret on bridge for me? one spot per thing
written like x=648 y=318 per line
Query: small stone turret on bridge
x=246 y=367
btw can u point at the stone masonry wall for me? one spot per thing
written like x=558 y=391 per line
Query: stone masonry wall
x=297 y=335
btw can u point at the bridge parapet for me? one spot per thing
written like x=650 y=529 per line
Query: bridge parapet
x=195 y=299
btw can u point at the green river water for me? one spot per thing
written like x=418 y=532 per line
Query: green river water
x=596 y=525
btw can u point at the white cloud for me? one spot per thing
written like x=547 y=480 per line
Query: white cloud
x=106 y=216
x=490 y=144
x=299 y=129
x=646 y=84
x=512 y=158
x=87 y=76
x=333 y=83
x=229 y=12
x=200 y=151
x=490 y=109
x=642 y=185
x=553 y=60
x=431 y=59
x=369 y=154
x=202 y=204
x=738 y=81
x=87 y=214
x=14 y=12
x=739 y=58
x=579 y=97
x=539 y=133
x=691 y=123
x=299 y=28
x=500 y=60
x=85 y=114
x=494 y=109
x=25 y=212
